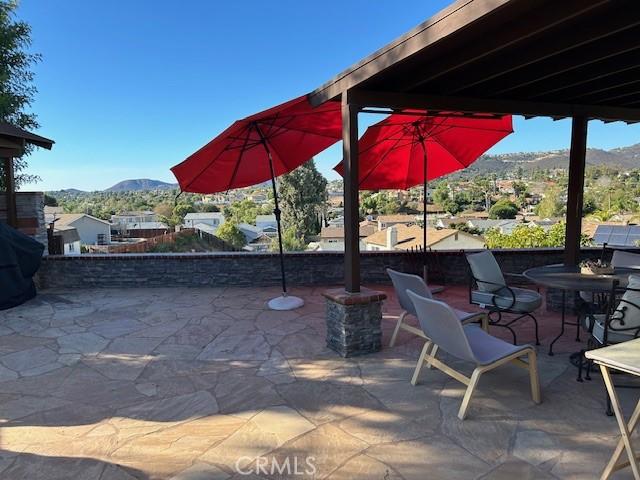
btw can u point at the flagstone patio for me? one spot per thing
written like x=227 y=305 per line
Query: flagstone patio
x=209 y=384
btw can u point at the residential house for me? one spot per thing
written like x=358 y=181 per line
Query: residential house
x=92 y=230
x=213 y=219
x=386 y=221
x=403 y=237
x=258 y=198
x=257 y=240
x=336 y=222
x=267 y=224
x=335 y=198
x=332 y=238
x=134 y=217
x=504 y=226
x=143 y=229
x=66 y=240
x=49 y=212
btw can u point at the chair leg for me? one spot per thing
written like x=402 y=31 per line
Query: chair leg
x=397 y=329
x=484 y=322
x=473 y=383
x=535 y=322
x=581 y=359
x=421 y=360
x=434 y=350
x=533 y=376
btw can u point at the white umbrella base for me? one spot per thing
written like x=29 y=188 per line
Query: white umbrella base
x=285 y=303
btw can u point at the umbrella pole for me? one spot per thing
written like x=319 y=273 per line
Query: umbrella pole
x=424 y=210
x=276 y=209
x=283 y=302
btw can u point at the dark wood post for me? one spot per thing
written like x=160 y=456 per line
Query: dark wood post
x=10 y=191
x=575 y=191
x=351 y=200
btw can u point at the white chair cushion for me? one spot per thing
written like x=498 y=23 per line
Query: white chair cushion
x=526 y=301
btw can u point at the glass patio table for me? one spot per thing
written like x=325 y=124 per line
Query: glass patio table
x=568 y=278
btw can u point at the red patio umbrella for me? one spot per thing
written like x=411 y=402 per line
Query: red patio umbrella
x=259 y=148
x=407 y=149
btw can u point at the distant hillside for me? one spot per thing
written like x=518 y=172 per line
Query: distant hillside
x=625 y=158
x=140 y=184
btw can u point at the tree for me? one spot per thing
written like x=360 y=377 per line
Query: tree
x=244 y=211
x=525 y=236
x=180 y=210
x=50 y=201
x=303 y=194
x=551 y=205
x=291 y=242
x=441 y=194
x=16 y=80
x=231 y=234
x=163 y=209
x=503 y=209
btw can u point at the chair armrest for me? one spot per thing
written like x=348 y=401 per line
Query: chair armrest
x=500 y=292
x=518 y=279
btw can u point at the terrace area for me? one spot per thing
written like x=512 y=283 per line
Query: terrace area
x=197 y=383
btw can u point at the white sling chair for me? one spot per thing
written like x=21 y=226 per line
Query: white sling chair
x=469 y=342
x=414 y=283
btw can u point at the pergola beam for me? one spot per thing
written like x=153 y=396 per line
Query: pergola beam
x=10 y=190
x=575 y=191
x=394 y=100
x=351 y=194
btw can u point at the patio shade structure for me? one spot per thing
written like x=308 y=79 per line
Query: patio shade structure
x=407 y=149
x=259 y=148
x=574 y=59
x=13 y=141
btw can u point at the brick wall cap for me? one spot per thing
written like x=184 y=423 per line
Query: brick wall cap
x=366 y=295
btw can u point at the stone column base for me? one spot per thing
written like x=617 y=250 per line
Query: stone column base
x=353 y=321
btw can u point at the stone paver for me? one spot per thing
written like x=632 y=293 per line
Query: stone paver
x=191 y=384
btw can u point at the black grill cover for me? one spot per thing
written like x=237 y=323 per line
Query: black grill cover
x=20 y=257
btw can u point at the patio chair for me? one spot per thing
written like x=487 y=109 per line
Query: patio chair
x=619 y=258
x=620 y=323
x=489 y=290
x=470 y=343
x=406 y=281
x=622 y=258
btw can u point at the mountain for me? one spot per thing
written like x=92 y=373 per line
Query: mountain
x=625 y=158
x=140 y=184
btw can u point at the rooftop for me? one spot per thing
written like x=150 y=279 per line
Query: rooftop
x=69 y=218
x=203 y=215
x=172 y=383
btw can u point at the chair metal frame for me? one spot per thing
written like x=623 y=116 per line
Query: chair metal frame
x=614 y=313
x=499 y=310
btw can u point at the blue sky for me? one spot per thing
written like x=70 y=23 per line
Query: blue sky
x=128 y=88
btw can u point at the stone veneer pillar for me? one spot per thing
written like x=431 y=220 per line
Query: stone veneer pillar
x=353 y=321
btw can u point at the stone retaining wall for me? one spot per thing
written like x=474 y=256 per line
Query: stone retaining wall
x=261 y=269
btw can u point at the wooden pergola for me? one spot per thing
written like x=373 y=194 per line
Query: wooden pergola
x=13 y=141
x=558 y=59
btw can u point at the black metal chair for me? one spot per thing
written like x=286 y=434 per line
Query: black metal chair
x=620 y=323
x=489 y=290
